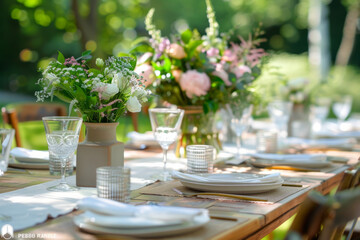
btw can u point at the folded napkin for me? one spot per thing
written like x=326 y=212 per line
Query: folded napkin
x=290 y=157
x=135 y=136
x=27 y=155
x=162 y=213
x=322 y=142
x=230 y=178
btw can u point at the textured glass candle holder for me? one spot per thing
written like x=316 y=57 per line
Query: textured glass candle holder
x=113 y=183
x=200 y=158
x=266 y=142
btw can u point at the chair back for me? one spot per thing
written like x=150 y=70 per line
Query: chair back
x=23 y=112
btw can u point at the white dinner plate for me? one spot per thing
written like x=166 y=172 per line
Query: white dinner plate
x=231 y=178
x=125 y=221
x=16 y=164
x=153 y=232
x=232 y=188
x=29 y=155
x=271 y=163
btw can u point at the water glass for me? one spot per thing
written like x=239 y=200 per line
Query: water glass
x=200 y=158
x=266 y=142
x=342 y=107
x=113 y=183
x=62 y=135
x=6 y=137
x=280 y=112
x=55 y=165
x=319 y=111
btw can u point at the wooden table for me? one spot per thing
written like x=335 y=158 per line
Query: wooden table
x=229 y=219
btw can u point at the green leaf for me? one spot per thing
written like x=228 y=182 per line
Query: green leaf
x=186 y=36
x=61 y=57
x=141 y=49
x=191 y=47
x=86 y=53
x=79 y=94
x=167 y=65
x=63 y=96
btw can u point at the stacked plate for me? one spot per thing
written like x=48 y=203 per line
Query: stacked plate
x=241 y=183
x=292 y=160
x=31 y=159
x=107 y=216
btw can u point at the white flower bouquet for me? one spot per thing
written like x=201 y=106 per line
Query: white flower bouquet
x=102 y=94
x=295 y=90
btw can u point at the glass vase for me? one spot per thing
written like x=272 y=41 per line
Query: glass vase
x=197 y=128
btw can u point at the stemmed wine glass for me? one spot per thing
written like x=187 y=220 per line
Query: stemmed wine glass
x=165 y=124
x=342 y=108
x=280 y=112
x=240 y=117
x=319 y=111
x=62 y=135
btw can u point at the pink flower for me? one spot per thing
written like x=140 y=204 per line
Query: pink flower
x=194 y=83
x=144 y=58
x=220 y=72
x=146 y=71
x=240 y=70
x=176 y=51
x=177 y=74
x=212 y=52
x=229 y=56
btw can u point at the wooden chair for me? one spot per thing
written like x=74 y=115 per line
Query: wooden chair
x=324 y=217
x=23 y=112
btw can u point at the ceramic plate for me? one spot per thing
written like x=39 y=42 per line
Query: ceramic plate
x=16 y=164
x=233 y=188
x=271 y=163
x=153 y=232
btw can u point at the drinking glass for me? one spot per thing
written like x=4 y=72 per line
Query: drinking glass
x=165 y=124
x=62 y=135
x=342 y=107
x=280 y=112
x=319 y=111
x=240 y=117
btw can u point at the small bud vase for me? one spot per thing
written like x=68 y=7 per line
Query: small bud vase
x=100 y=148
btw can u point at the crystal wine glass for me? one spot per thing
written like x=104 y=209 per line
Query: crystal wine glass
x=62 y=135
x=342 y=108
x=280 y=112
x=319 y=111
x=240 y=117
x=165 y=124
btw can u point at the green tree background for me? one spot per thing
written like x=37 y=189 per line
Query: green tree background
x=33 y=30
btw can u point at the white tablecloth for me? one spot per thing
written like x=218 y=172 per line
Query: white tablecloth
x=32 y=205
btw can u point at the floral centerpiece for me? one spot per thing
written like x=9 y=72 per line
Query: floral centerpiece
x=199 y=73
x=295 y=91
x=101 y=94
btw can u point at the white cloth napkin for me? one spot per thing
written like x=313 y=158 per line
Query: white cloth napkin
x=322 y=142
x=27 y=155
x=237 y=178
x=163 y=213
x=290 y=157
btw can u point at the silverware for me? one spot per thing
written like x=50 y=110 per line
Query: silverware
x=242 y=197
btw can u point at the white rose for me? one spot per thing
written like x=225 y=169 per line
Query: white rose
x=133 y=104
x=139 y=92
x=110 y=91
x=119 y=80
x=99 y=62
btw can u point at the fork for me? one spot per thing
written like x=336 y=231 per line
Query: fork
x=220 y=194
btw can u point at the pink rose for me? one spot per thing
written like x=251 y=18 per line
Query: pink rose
x=194 y=83
x=176 y=51
x=229 y=56
x=144 y=58
x=220 y=72
x=177 y=74
x=212 y=52
x=240 y=70
x=146 y=71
